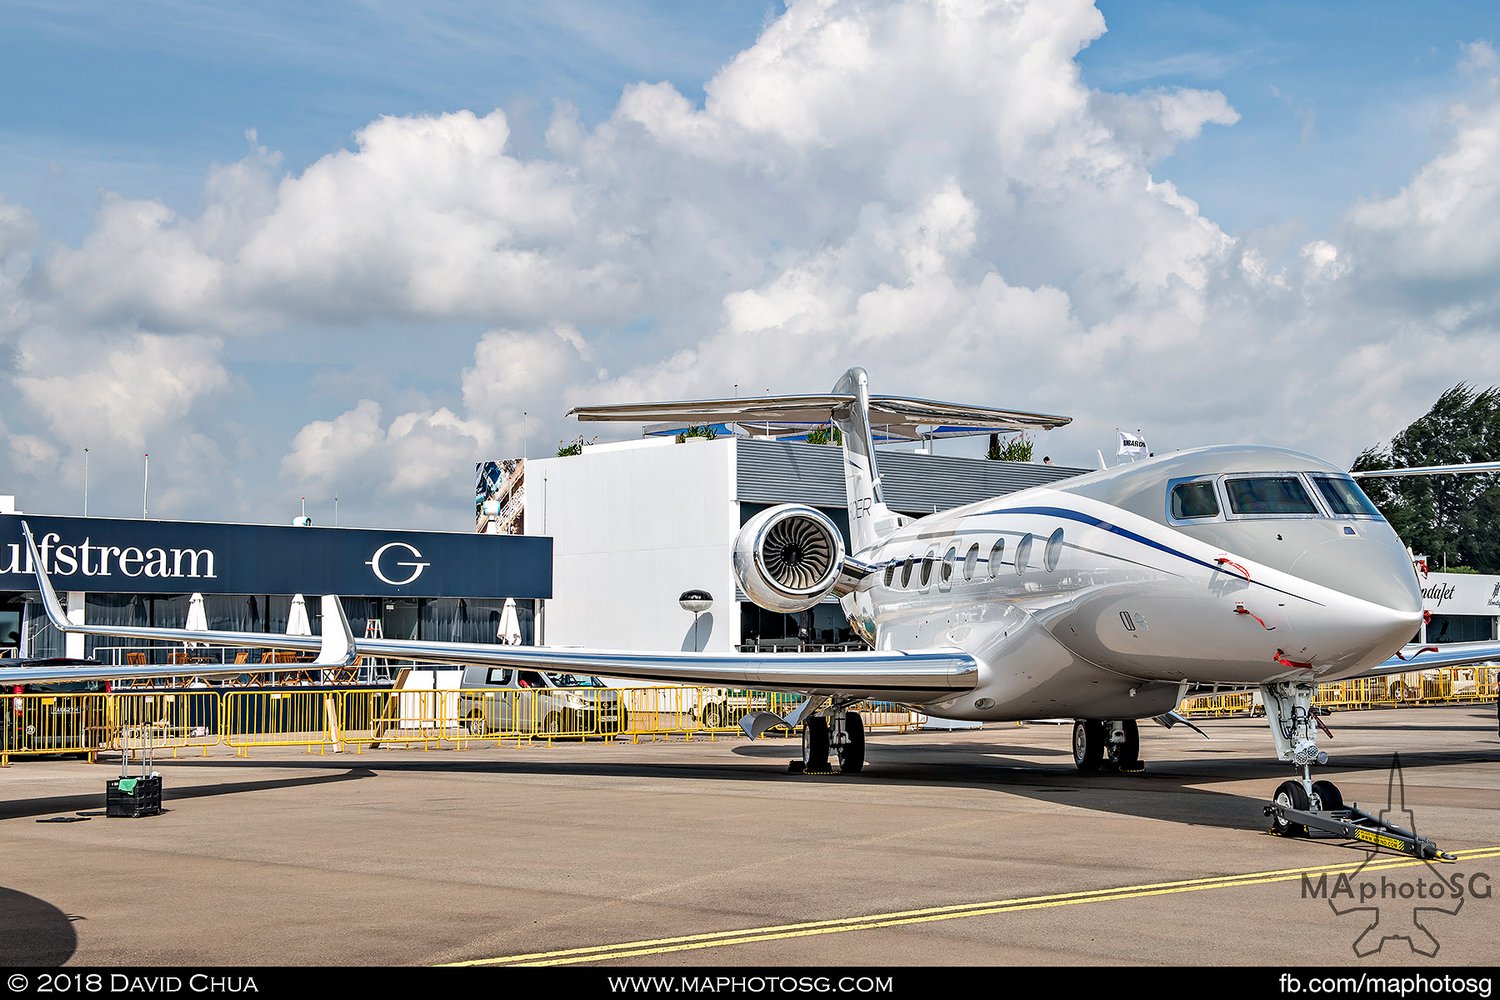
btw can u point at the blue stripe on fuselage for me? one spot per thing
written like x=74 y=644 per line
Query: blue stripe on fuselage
x=1089 y=519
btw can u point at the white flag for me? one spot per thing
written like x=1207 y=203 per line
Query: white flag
x=1132 y=444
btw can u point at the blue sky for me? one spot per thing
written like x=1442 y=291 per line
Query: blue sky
x=1338 y=100
x=332 y=318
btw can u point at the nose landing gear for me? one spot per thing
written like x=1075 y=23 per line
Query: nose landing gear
x=1303 y=807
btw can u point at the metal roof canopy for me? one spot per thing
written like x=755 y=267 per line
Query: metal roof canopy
x=902 y=417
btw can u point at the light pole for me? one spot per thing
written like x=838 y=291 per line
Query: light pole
x=696 y=601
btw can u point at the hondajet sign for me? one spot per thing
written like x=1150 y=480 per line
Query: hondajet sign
x=1461 y=594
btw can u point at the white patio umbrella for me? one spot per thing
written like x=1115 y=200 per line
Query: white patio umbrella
x=509 y=632
x=197 y=618
x=297 y=622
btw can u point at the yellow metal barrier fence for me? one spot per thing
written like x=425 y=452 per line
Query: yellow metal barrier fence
x=443 y=717
x=166 y=720
x=86 y=722
x=251 y=719
x=52 y=724
x=1440 y=686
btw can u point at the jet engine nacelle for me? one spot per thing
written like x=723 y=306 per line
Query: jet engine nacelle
x=788 y=558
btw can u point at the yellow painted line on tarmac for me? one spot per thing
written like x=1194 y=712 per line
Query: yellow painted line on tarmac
x=933 y=914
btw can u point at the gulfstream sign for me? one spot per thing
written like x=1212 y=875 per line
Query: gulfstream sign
x=90 y=559
x=109 y=555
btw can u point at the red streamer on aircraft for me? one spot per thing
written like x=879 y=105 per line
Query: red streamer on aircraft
x=1240 y=609
x=1226 y=561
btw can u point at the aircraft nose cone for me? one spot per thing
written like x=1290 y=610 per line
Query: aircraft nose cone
x=1375 y=571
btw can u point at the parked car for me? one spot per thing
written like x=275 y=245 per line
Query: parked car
x=533 y=702
x=723 y=708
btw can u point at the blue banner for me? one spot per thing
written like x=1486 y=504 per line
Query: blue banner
x=125 y=556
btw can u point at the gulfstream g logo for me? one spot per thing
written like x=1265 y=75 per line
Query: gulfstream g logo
x=374 y=562
x=88 y=559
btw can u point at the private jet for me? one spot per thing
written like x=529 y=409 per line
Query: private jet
x=1105 y=598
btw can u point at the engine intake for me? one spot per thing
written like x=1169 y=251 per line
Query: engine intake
x=788 y=558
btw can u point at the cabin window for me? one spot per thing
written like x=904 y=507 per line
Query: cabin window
x=927 y=562
x=1269 y=495
x=950 y=564
x=971 y=561
x=890 y=574
x=906 y=570
x=1023 y=553
x=997 y=556
x=1344 y=497
x=1191 y=500
x=1054 y=550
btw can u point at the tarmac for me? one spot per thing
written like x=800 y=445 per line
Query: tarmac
x=969 y=848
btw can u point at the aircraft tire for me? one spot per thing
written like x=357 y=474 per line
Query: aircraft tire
x=1328 y=794
x=852 y=753
x=1290 y=794
x=1088 y=744
x=815 y=744
x=1129 y=754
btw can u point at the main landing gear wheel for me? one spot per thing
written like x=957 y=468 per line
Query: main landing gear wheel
x=1329 y=795
x=852 y=752
x=1127 y=755
x=1291 y=795
x=815 y=744
x=1088 y=744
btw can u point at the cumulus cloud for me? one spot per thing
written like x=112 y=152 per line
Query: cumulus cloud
x=124 y=391
x=1442 y=227
x=927 y=189
x=417 y=455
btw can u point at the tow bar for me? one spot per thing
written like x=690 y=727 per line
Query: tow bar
x=1353 y=823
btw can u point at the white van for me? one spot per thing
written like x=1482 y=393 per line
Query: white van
x=507 y=701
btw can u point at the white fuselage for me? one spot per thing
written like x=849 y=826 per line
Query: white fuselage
x=1078 y=607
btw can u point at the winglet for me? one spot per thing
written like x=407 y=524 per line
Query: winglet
x=55 y=613
x=338 y=643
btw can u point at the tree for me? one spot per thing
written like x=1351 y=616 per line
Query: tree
x=574 y=447
x=1016 y=449
x=1452 y=519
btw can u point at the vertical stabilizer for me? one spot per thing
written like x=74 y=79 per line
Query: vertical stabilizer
x=870 y=519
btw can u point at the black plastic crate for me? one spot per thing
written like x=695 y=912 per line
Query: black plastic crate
x=143 y=800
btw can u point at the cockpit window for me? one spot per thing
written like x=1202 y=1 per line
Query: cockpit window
x=1344 y=497
x=1269 y=495
x=1195 y=500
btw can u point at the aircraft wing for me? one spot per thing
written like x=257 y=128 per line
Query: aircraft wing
x=1453 y=654
x=886 y=675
